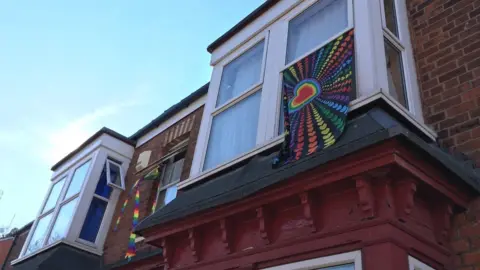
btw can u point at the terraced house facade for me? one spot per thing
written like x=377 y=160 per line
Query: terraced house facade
x=392 y=184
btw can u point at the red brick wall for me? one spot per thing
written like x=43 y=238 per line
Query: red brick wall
x=16 y=249
x=5 y=245
x=446 y=41
x=117 y=242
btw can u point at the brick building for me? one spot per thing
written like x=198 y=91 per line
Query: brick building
x=392 y=192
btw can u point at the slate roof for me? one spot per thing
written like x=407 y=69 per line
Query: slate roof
x=61 y=257
x=367 y=129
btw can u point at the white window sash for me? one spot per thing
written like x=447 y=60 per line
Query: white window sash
x=354 y=257
x=109 y=180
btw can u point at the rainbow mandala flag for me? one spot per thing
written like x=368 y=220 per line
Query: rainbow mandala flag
x=316 y=94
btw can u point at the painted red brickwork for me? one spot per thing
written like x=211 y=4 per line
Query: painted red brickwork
x=5 y=245
x=117 y=242
x=16 y=248
x=446 y=41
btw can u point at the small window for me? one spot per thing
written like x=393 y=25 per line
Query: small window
x=314 y=26
x=390 y=16
x=396 y=80
x=114 y=175
x=414 y=264
x=54 y=195
x=171 y=175
x=345 y=261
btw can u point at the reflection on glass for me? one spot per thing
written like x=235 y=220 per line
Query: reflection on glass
x=54 y=194
x=396 y=81
x=390 y=16
x=167 y=195
x=77 y=180
x=92 y=223
x=315 y=25
x=241 y=74
x=233 y=132
x=62 y=222
x=39 y=234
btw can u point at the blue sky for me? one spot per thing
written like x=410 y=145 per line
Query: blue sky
x=68 y=68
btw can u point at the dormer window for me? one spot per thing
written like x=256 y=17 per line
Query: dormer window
x=85 y=188
x=243 y=112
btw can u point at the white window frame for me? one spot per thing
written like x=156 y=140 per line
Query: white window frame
x=367 y=18
x=169 y=159
x=354 y=257
x=97 y=153
x=122 y=179
x=414 y=264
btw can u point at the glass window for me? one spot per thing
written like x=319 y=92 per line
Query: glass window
x=390 y=16
x=396 y=81
x=233 y=131
x=77 y=180
x=62 y=222
x=54 y=194
x=102 y=188
x=93 y=220
x=39 y=234
x=241 y=74
x=115 y=177
x=167 y=195
x=316 y=25
x=340 y=267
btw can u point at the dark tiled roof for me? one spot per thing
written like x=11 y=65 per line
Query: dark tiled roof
x=184 y=103
x=103 y=130
x=239 y=26
x=364 y=130
x=141 y=255
x=61 y=257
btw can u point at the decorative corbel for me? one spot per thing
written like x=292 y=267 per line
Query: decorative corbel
x=306 y=201
x=263 y=220
x=166 y=253
x=192 y=236
x=404 y=197
x=366 y=200
x=442 y=214
x=225 y=230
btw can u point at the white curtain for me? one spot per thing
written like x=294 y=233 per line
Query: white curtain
x=316 y=25
x=241 y=74
x=233 y=132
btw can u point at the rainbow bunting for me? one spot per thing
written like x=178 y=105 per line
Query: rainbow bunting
x=131 y=243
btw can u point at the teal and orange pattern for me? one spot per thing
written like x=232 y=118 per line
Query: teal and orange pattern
x=316 y=94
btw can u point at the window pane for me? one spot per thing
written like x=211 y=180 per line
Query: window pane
x=93 y=220
x=233 y=132
x=102 y=188
x=167 y=174
x=115 y=174
x=396 y=81
x=77 y=180
x=62 y=222
x=390 y=16
x=39 y=235
x=54 y=194
x=316 y=25
x=177 y=170
x=241 y=74
x=170 y=194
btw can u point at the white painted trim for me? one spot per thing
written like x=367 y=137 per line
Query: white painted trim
x=122 y=176
x=172 y=120
x=414 y=264
x=354 y=257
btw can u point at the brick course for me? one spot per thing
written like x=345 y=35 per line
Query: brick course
x=446 y=42
x=117 y=242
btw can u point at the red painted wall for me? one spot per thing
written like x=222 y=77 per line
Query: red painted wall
x=5 y=245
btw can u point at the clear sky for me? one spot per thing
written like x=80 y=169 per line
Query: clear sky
x=68 y=68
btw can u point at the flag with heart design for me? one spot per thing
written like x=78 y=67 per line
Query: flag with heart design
x=316 y=94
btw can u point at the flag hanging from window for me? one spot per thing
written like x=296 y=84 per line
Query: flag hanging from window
x=316 y=94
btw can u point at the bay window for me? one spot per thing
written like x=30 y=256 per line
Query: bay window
x=79 y=205
x=243 y=112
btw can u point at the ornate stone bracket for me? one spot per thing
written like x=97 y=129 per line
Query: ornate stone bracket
x=404 y=197
x=263 y=221
x=225 y=229
x=306 y=200
x=365 y=196
x=442 y=214
x=192 y=236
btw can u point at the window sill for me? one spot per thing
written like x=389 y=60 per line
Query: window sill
x=354 y=105
x=64 y=241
